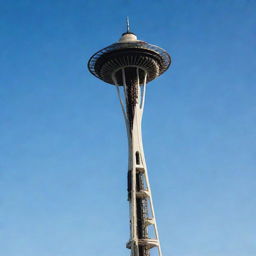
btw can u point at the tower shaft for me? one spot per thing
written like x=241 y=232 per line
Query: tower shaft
x=143 y=228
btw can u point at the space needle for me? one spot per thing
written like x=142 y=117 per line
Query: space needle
x=129 y=65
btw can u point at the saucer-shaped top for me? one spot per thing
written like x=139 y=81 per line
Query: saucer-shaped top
x=129 y=53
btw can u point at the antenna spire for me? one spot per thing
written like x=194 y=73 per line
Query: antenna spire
x=128 y=24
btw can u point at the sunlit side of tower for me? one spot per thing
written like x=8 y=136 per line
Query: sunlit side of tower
x=130 y=64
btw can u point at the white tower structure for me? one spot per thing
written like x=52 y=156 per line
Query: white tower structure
x=130 y=64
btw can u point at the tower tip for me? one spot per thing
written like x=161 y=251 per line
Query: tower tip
x=128 y=24
x=128 y=35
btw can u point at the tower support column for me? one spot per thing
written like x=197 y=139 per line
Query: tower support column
x=143 y=228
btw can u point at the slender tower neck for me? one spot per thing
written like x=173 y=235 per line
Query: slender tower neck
x=143 y=228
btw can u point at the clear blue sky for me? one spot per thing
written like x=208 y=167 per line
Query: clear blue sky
x=63 y=148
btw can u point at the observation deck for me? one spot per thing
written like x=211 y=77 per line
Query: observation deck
x=129 y=52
